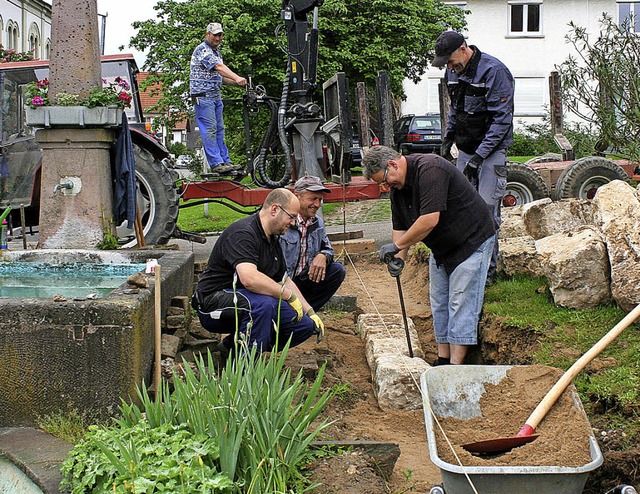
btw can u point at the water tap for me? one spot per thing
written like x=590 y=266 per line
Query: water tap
x=66 y=184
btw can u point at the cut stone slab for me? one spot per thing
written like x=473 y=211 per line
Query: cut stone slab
x=397 y=382
x=355 y=246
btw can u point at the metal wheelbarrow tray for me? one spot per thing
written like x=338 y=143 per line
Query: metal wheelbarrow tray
x=455 y=391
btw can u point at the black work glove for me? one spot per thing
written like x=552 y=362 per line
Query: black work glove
x=445 y=148
x=388 y=252
x=395 y=267
x=471 y=169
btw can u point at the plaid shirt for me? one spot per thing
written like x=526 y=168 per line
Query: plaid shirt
x=302 y=258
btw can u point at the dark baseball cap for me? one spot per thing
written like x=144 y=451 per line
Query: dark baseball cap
x=310 y=183
x=446 y=44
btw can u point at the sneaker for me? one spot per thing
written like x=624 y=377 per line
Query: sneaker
x=441 y=361
x=235 y=168
x=222 y=168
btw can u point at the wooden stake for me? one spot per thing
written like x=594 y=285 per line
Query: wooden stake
x=157 y=330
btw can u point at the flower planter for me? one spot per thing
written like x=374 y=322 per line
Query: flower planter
x=74 y=116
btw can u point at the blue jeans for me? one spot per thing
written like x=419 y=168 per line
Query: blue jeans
x=456 y=299
x=492 y=185
x=318 y=294
x=211 y=125
x=262 y=312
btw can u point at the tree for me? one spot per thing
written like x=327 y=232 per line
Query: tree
x=602 y=85
x=356 y=37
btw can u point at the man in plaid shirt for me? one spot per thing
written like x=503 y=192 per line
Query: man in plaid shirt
x=307 y=250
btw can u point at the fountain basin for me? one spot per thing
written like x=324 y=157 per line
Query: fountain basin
x=83 y=355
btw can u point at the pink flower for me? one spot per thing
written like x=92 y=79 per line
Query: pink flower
x=37 y=101
x=125 y=97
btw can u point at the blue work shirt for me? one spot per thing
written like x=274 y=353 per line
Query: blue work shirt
x=203 y=77
x=481 y=113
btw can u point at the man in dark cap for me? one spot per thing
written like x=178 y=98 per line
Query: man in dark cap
x=480 y=119
x=307 y=250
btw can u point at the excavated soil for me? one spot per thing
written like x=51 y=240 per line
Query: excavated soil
x=358 y=417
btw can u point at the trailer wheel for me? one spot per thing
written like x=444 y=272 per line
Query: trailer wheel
x=524 y=185
x=585 y=175
x=157 y=200
x=437 y=489
x=545 y=158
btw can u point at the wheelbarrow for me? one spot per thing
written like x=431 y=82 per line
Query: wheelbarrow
x=455 y=391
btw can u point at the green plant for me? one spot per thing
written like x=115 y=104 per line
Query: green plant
x=12 y=55
x=250 y=425
x=71 y=427
x=141 y=458
x=66 y=99
x=109 y=242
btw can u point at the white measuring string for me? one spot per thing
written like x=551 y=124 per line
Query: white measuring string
x=400 y=350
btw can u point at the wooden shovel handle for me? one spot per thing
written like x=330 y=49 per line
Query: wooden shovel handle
x=554 y=393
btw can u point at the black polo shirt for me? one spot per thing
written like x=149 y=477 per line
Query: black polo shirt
x=242 y=241
x=432 y=185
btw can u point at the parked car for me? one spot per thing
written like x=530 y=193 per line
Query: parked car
x=418 y=134
x=356 y=149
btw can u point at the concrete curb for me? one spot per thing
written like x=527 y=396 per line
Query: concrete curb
x=38 y=454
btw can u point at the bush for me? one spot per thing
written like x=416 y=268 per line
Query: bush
x=246 y=430
x=537 y=139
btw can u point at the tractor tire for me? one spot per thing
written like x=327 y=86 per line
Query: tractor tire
x=545 y=158
x=584 y=176
x=157 y=198
x=524 y=185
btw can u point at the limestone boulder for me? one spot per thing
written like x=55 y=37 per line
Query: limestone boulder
x=576 y=265
x=512 y=219
x=618 y=218
x=542 y=219
x=519 y=255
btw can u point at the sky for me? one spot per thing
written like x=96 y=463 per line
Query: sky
x=120 y=15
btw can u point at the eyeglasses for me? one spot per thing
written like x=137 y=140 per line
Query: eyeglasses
x=292 y=216
x=384 y=177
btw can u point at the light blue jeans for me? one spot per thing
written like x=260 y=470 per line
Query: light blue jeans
x=456 y=299
x=211 y=125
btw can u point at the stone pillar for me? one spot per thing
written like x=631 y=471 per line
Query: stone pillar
x=76 y=206
x=75 y=48
x=76 y=199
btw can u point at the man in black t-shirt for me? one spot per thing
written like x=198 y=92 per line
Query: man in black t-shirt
x=244 y=290
x=433 y=202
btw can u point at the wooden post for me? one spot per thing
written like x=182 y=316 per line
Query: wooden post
x=157 y=376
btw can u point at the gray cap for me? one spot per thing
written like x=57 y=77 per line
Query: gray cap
x=446 y=44
x=214 y=28
x=310 y=183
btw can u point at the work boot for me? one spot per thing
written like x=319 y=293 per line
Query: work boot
x=235 y=168
x=441 y=361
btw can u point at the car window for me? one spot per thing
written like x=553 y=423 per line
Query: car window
x=427 y=123
x=403 y=125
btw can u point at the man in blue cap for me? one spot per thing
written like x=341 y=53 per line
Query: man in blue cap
x=480 y=119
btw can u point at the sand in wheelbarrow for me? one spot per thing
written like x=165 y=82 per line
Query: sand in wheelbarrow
x=564 y=432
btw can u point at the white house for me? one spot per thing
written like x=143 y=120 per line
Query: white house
x=25 y=26
x=528 y=36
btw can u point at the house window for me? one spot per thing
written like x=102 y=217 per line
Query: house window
x=525 y=19
x=34 y=40
x=529 y=97
x=12 y=35
x=629 y=13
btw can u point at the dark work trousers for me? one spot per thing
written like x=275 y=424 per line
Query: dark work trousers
x=492 y=183
x=318 y=294
x=219 y=313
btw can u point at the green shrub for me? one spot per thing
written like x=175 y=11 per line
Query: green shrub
x=141 y=458
x=246 y=430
